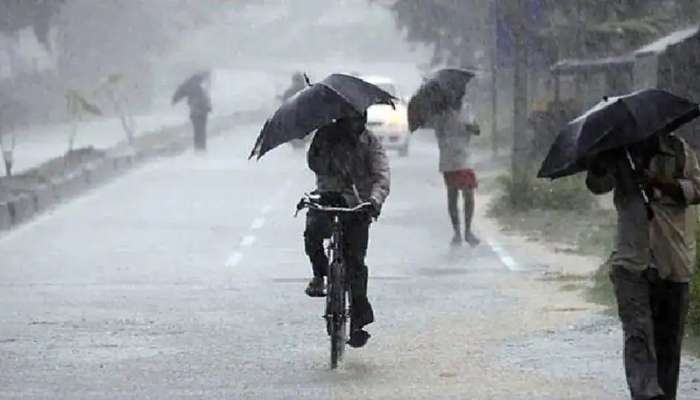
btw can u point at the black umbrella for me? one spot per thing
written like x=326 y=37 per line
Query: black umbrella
x=428 y=101
x=453 y=80
x=189 y=86
x=318 y=105
x=443 y=88
x=615 y=123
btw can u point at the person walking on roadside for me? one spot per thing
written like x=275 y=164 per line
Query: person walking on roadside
x=298 y=83
x=199 y=102
x=453 y=134
x=654 y=254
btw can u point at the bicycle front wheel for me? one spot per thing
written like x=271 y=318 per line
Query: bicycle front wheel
x=337 y=319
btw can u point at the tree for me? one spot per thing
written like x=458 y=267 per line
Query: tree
x=457 y=32
x=114 y=89
x=453 y=27
x=533 y=34
x=78 y=108
x=11 y=113
x=598 y=28
x=16 y=15
x=95 y=38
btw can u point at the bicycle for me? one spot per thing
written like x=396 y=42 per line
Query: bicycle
x=338 y=296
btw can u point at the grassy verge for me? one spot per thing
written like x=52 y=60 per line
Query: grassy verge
x=562 y=214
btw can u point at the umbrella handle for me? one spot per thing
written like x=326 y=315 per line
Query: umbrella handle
x=356 y=192
x=645 y=197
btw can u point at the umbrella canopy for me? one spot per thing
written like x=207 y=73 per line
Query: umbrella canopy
x=318 y=105
x=453 y=80
x=189 y=86
x=444 y=88
x=615 y=123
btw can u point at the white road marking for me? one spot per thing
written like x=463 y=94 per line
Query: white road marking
x=248 y=240
x=505 y=258
x=257 y=223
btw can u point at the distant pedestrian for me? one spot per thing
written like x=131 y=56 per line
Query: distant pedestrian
x=199 y=102
x=298 y=84
x=454 y=132
x=654 y=255
x=438 y=105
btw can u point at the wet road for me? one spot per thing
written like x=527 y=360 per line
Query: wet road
x=184 y=279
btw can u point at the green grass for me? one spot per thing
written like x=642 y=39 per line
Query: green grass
x=564 y=214
x=526 y=193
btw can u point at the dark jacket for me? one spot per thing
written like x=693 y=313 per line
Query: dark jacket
x=199 y=102
x=339 y=164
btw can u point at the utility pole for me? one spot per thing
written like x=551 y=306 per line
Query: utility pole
x=519 y=28
x=579 y=43
x=494 y=78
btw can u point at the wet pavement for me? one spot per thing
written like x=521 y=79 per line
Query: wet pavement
x=184 y=279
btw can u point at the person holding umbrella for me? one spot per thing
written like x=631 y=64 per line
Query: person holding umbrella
x=199 y=103
x=626 y=145
x=351 y=168
x=438 y=105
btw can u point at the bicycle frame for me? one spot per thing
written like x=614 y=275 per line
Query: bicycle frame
x=337 y=311
x=334 y=249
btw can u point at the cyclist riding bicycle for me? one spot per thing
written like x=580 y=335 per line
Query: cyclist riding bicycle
x=351 y=167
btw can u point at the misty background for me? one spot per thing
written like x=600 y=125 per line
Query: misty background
x=157 y=274
x=538 y=62
x=252 y=47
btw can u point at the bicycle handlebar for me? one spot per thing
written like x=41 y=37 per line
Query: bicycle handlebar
x=307 y=202
x=357 y=208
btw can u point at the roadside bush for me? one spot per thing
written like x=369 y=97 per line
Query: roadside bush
x=528 y=192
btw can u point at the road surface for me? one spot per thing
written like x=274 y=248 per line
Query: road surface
x=184 y=279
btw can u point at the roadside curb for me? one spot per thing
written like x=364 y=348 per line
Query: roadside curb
x=21 y=208
x=44 y=197
x=100 y=171
x=117 y=161
x=5 y=217
x=69 y=185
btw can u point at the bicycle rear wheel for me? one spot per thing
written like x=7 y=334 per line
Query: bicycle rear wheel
x=337 y=318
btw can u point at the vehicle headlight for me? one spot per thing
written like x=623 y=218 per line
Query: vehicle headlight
x=396 y=120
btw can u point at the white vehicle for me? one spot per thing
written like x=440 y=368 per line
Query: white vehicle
x=389 y=124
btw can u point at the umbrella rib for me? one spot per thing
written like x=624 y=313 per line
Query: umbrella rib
x=345 y=99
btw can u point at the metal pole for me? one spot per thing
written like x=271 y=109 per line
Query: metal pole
x=494 y=82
